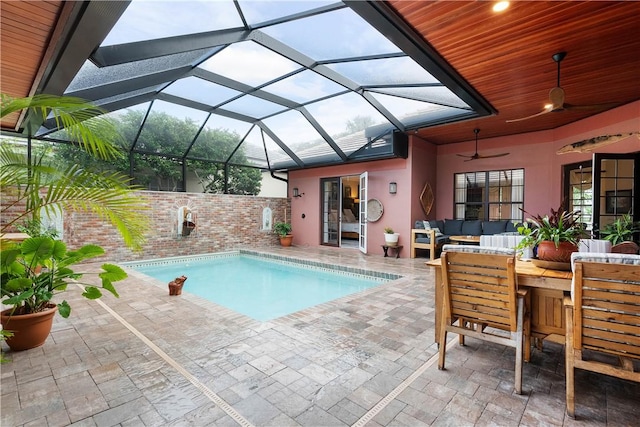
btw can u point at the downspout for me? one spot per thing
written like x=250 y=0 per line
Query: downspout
x=277 y=177
x=266 y=155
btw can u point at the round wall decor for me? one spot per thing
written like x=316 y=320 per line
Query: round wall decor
x=374 y=210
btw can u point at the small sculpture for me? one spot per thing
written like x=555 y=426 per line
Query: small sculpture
x=175 y=286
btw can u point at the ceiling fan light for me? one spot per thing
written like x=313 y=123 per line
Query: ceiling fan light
x=500 y=6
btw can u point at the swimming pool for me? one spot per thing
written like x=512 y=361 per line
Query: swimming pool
x=263 y=288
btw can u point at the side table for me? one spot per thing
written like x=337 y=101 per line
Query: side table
x=397 y=248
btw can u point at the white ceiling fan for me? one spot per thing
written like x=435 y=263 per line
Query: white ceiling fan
x=476 y=156
x=556 y=98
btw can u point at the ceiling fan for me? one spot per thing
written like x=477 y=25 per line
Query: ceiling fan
x=476 y=156
x=556 y=98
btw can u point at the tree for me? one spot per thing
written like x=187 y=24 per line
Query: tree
x=162 y=143
x=358 y=123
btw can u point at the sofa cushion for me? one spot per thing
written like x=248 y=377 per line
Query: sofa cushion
x=453 y=227
x=420 y=226
x=494 y=227
x=472 y=228
x=428 y=226
x=512 y=227
x=439 y=224
x=439 y=240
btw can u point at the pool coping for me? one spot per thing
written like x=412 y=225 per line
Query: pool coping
x=368 y=274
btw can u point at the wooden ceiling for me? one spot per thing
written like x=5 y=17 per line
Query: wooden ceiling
x=506 y=57
x=26 y=31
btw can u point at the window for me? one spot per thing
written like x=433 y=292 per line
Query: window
x=579 y=190
x=489 y=195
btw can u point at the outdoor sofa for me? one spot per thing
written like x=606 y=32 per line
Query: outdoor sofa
x=432 y=235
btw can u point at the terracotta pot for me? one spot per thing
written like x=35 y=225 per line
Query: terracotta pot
x=29 y=330
x=286 y=240
x=547 y=251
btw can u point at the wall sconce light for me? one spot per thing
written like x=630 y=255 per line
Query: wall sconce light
x=296 y=193
x=393 y=188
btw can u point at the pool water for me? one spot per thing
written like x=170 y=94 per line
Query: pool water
x=260 y=289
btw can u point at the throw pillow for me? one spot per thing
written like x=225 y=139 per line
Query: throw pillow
x=428 y=226
x=349 y=216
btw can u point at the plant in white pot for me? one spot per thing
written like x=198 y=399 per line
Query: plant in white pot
x=390 y=237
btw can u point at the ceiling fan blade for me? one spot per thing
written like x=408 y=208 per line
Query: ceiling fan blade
x=479 y=156
x=493 y=155
x=545 y=111
x=590 y=107
x=465 y=156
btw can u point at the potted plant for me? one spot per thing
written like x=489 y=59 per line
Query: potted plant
x=283 y=230
x=555 y=236
x=620 y=230
x=32 y=274
x=37 y=269
x=390 y=237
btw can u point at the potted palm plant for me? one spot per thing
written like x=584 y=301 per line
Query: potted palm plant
x=36 y=270
x=283 y=230
x=555 y=236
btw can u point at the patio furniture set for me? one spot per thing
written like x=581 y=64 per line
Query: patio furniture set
x=489 y=294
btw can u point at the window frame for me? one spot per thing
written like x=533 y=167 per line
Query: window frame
x=486 y=206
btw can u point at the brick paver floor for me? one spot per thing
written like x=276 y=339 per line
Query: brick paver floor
x=148 y=359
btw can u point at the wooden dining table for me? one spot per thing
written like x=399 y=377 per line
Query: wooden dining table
x=546 y=290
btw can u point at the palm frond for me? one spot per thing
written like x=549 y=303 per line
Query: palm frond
x=43 y=188
x=85 y=123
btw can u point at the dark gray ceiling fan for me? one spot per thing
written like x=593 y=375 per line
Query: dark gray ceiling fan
x=556 y=98
x=476 y=156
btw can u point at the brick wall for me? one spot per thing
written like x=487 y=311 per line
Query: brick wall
x=223 y=222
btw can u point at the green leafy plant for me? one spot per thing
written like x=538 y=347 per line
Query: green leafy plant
x=282 y=228
x=33 y=272
x=621 y=230
x=42 y=186
x=560 y=226
x=388 y=230
x=37 y=269
x=34 y=228
x=4 y=334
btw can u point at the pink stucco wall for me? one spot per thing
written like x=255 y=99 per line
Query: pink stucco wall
x=306 y=230
x=535 y=152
